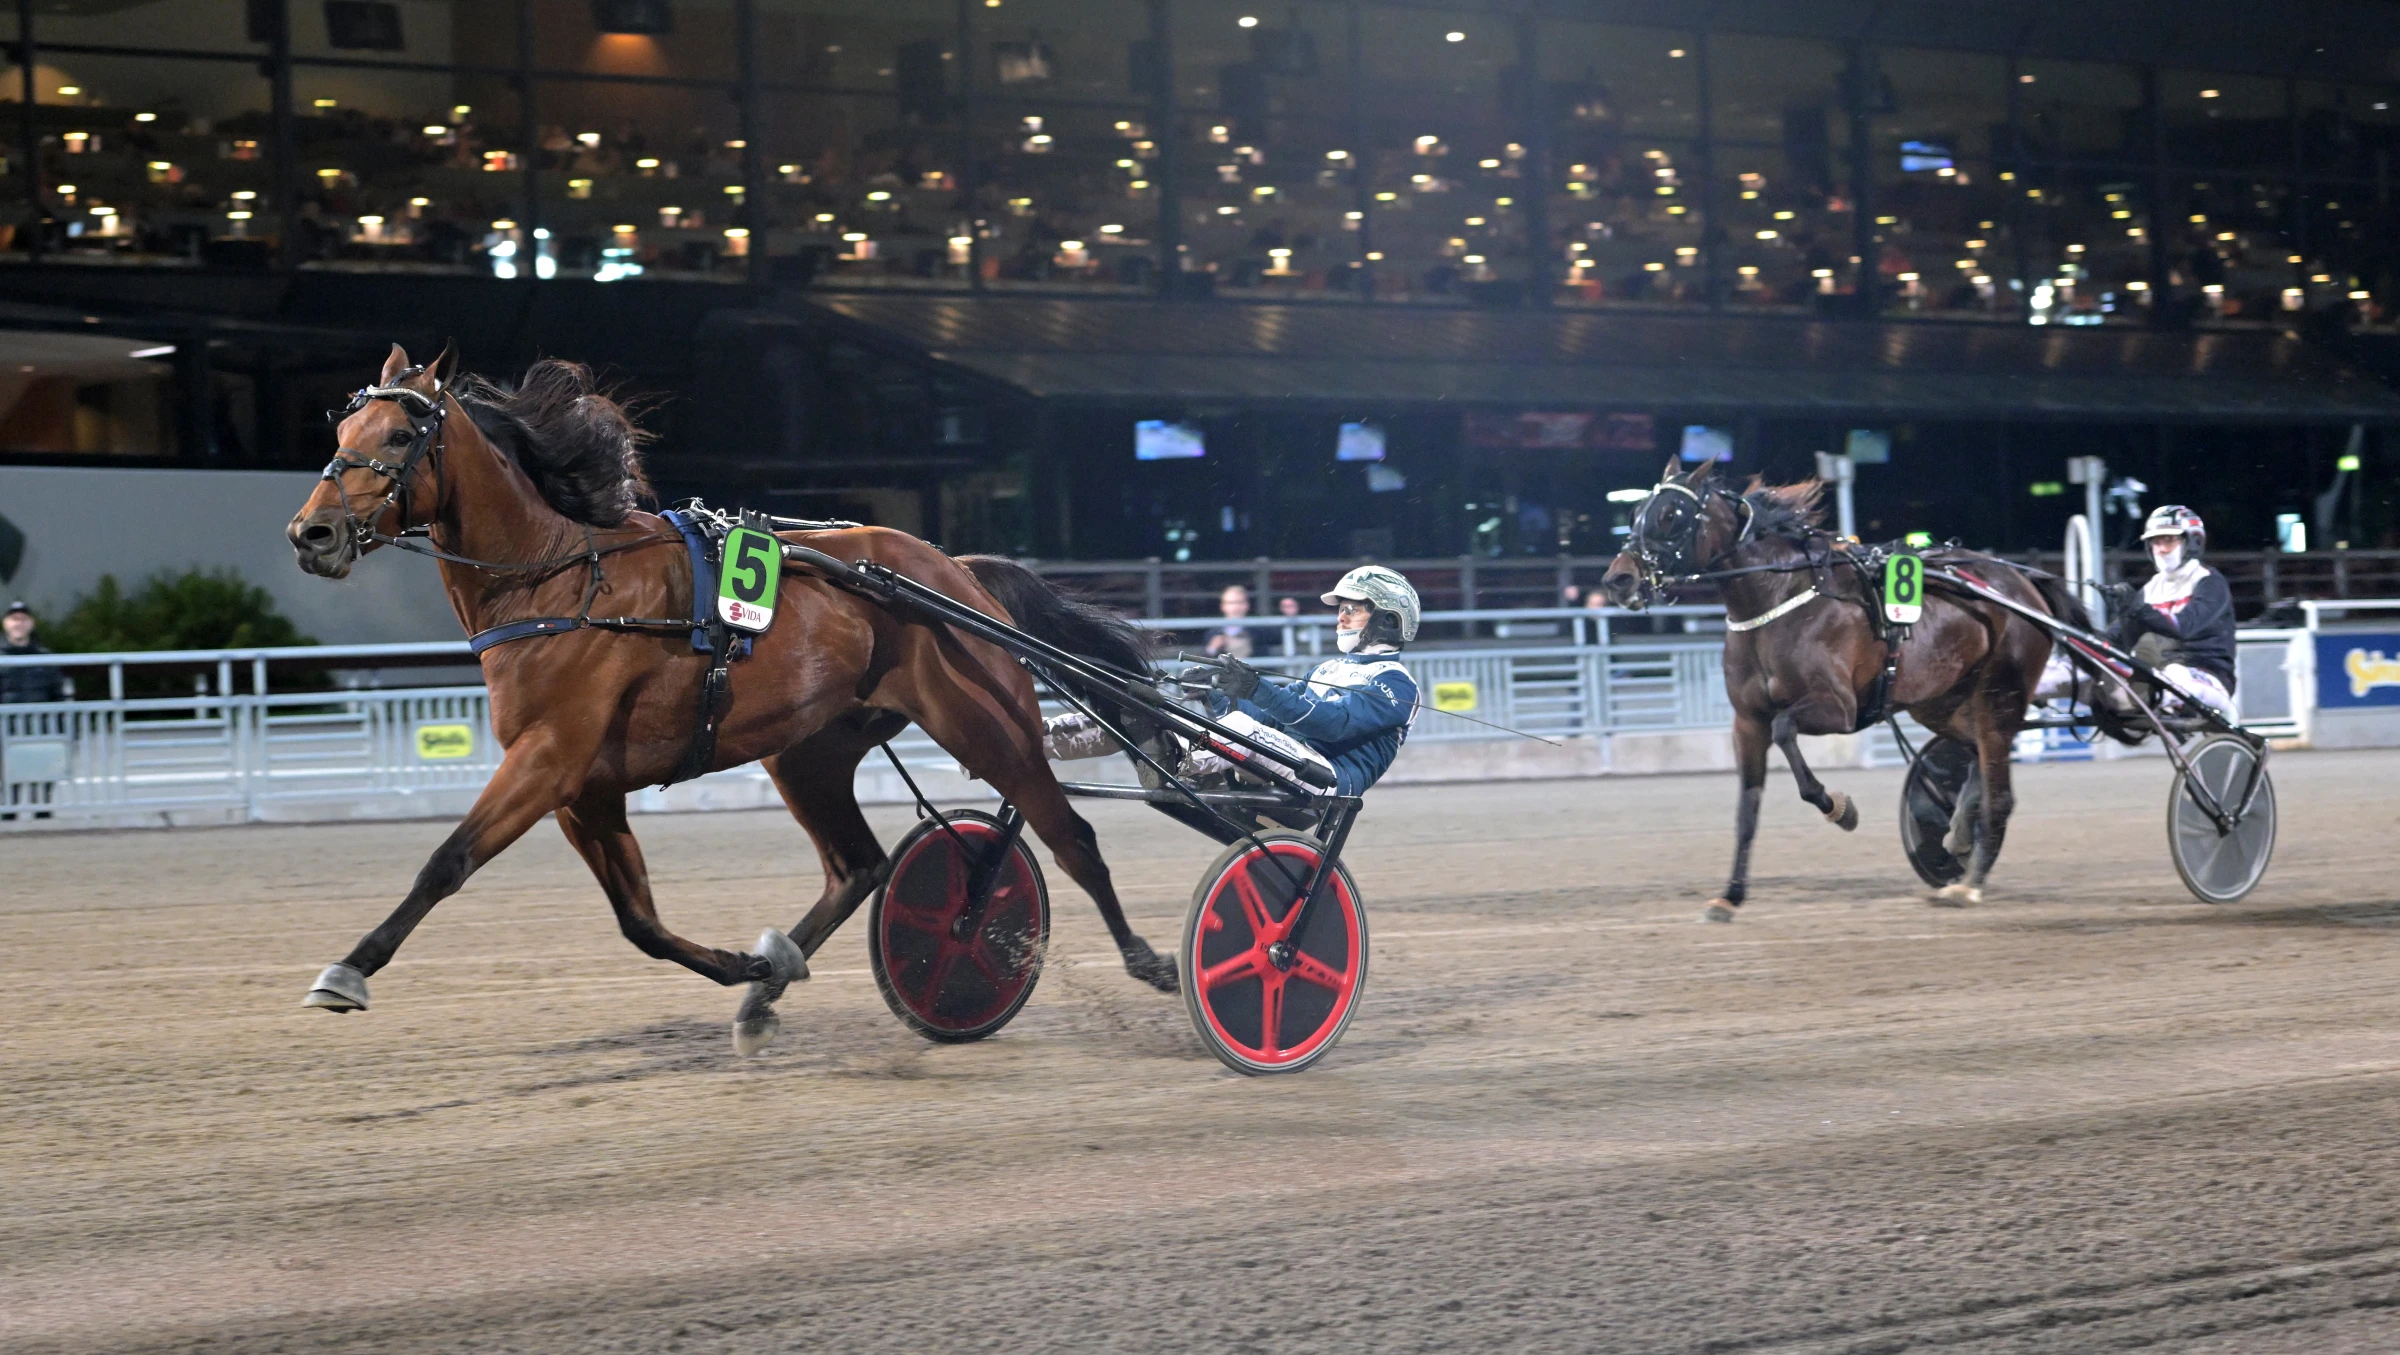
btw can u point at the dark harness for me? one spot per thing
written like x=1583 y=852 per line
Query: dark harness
x=1668 y=562
x=701 y=532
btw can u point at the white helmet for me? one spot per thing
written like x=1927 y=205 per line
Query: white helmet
x=1384 y=589
x=2176 y=520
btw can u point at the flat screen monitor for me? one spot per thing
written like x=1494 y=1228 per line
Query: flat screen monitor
x=1158 y=440
x=1921 y=157
x=1359 y=442
x=1703 y=443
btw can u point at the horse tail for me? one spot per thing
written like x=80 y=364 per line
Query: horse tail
x=1044 y=612
x=2060 y=600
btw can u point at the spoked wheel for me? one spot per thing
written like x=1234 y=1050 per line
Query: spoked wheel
x=1935 y=781
x=1256 y=1016
x=2220 y=866
x=949 y=976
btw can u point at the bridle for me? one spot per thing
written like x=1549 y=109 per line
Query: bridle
x=1662 y=552
x=425 y=415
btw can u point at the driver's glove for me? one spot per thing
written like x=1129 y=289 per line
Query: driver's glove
x=1236 y=679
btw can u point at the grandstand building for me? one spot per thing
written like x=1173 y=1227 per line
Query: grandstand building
x=1214 y=279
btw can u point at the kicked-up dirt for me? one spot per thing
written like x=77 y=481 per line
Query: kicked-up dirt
x=2090 y=1115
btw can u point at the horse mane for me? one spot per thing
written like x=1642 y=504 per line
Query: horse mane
x=1786 y=511
x=577 y=444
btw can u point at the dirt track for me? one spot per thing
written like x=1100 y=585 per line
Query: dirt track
x=2089 y=1115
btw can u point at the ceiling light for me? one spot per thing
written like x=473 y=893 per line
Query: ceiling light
x=1454 y=36
x=1247 y=21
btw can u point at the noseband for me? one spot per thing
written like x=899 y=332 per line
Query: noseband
x=425 y=415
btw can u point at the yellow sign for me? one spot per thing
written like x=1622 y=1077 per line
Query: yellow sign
x=445 y=743
x=2369 y=670
x=1454 y=696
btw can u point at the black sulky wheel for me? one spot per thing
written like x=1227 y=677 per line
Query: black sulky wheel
x=949 y=977
x=1942 y=770
x=2217 y=865
x=1254 y=1015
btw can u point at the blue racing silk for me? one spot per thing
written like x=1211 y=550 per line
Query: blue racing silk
x=1355 y=709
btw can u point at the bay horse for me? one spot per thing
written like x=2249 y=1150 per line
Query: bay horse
x=1805 y=650
x=527 y=498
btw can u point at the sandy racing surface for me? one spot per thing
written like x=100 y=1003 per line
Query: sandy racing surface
x=2090 y=1115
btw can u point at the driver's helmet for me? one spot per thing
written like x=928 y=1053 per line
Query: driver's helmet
x=2176 y=520
x=1386 y=590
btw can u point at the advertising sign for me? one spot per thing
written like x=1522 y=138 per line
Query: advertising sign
x=2358 y=670
x=445 y=742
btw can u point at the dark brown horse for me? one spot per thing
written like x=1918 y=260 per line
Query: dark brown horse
x=528 y=495
x=1804 y=651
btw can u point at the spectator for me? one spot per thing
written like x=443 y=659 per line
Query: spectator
x=38 y=682
x=1289 y=607
x=24 y=686
x=1232 y=641
x=1570 y=596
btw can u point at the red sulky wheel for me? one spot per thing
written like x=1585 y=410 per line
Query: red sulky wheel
x=950 y=981
x=1253 y=1015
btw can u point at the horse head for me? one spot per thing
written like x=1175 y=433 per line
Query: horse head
x=1685 y=525
x=384 y=478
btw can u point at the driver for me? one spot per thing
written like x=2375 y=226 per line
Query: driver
x=1350 y=715
x=2181 y=621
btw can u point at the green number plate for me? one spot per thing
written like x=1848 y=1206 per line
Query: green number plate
x=1903 y=588
x=746 y=582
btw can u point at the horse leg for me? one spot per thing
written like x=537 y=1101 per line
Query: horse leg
x=1993 y=744
x=1023 y=778
x=816 y=778
x=1750 y=739
x=1839 y=809
x=595 y=826
x=530 y=782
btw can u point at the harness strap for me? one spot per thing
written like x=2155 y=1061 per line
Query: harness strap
x=1783 y=608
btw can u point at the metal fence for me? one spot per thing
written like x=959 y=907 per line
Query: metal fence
x=375 y=747
x=1471 y=583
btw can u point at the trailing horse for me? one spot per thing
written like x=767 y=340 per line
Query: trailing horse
x=527 y=497
x=1807 y=651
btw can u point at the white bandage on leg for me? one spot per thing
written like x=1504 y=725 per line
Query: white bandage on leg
x=1074 y=735
x=2059 y=679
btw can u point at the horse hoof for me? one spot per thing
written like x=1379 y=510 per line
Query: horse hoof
x=1153 y=968
x=754 y=1031
x=1844 y=814
x=339 y=989
x=1957 y=896
x=1718 y=910
x=755 y=1023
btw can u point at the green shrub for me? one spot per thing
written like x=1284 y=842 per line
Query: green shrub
x=191 y=610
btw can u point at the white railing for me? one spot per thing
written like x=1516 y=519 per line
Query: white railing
x=373 y=749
